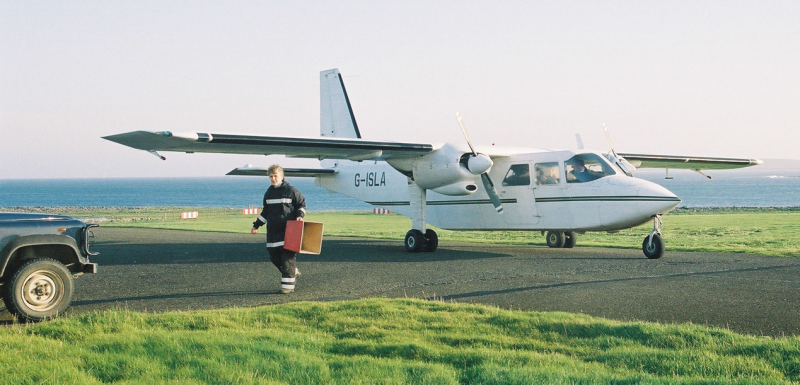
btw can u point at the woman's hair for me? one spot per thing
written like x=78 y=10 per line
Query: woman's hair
x=275 y=169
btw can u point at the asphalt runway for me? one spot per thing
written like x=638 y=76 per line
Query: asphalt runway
x=164 y=270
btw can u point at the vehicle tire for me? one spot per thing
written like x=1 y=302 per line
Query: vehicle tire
x=555 y=239
x=431 y=241
x=415 y=241
x=40 y=289
x=570 y=238
x=654 y=250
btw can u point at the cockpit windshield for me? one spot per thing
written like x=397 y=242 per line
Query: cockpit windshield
x=586 y=168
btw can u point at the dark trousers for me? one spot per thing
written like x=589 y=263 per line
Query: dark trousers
x=284 y=260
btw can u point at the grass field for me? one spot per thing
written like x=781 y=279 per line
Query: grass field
x=397 y=341
x=384 y=341
x=755 y=231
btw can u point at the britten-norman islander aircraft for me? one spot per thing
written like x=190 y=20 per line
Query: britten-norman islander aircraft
x=459 y=186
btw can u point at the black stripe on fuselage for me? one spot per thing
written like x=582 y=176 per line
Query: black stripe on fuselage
x=444 y=203
x=614 y=198
x=539 y=200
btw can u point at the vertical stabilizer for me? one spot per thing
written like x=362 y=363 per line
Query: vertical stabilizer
x=336 y=116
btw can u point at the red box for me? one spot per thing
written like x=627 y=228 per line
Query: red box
x=303 y=237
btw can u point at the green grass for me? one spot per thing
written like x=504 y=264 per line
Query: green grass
x=385 y=341
x=755 y=231
x=393 y=341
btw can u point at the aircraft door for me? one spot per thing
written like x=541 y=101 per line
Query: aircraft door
x=518 y=185
x=548 y=191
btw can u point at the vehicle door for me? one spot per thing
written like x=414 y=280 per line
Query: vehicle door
x=517 y=185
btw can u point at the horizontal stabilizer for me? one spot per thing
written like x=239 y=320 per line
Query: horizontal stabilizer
x=301 y=172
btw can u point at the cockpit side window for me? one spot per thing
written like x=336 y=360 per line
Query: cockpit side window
x=586 y=168
x=518 y=175
x=547 y=173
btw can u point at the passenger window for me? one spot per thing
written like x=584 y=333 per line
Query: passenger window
x=586 y=168
x=547 y=173
x=518 y=175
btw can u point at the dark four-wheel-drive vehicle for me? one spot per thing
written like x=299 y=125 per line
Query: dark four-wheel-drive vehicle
x=39 y=256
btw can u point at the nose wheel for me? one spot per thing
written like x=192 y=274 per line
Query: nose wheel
x=653 y=244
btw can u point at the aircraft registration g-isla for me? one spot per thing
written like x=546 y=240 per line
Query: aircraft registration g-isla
x=563 y=193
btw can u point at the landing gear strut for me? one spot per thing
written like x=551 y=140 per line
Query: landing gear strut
x=653 y=244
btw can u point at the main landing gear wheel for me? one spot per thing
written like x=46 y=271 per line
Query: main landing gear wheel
x=416 y=241
x=431 y=241
x=556 y=239
x=570 y=238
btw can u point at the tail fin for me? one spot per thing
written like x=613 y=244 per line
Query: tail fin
x=336 y=116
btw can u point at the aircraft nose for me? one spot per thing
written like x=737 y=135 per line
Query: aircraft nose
x=657 y=199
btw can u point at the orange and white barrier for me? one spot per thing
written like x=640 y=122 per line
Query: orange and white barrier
x=189 y=215
x=380 y=210
x=250 y=211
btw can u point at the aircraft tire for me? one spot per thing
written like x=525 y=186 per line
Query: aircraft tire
x=555 y=239
x=654 y=250
x=415 y=241
x=431 y=241
x=570 y=238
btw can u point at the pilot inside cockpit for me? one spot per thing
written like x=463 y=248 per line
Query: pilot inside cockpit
x=586 y=168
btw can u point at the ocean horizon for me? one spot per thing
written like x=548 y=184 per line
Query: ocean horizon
x=746 y=188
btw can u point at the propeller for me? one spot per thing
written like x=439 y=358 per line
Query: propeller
x=623 y=164
x=480 y=164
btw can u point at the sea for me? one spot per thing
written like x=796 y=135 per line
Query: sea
x=767 y=187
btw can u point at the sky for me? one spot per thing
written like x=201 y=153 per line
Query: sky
x=704 y=78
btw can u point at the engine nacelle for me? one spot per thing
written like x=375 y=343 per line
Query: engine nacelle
x=457 y=189
x=446 y=166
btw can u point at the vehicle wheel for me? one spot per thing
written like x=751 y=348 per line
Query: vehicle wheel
x=653 y=250
x=570 y=238
x=431 y=241
x=415 y=241
x=555 y=239
x=40 y=289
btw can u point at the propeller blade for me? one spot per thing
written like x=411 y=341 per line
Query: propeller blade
x=610 y=144
x=466 y=136
x=487 y=183
x=623 y=163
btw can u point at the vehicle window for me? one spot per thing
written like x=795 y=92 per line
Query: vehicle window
x=586 y=168
x=547 y=173
x=518 y=175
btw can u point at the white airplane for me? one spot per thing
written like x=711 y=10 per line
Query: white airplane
x=563 y=193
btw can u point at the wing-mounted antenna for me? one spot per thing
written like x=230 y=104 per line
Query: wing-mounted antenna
x=478 y=163
x=615 y=158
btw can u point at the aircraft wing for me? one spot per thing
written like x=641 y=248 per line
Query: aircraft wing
x=687 y=162
x=319 y=148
